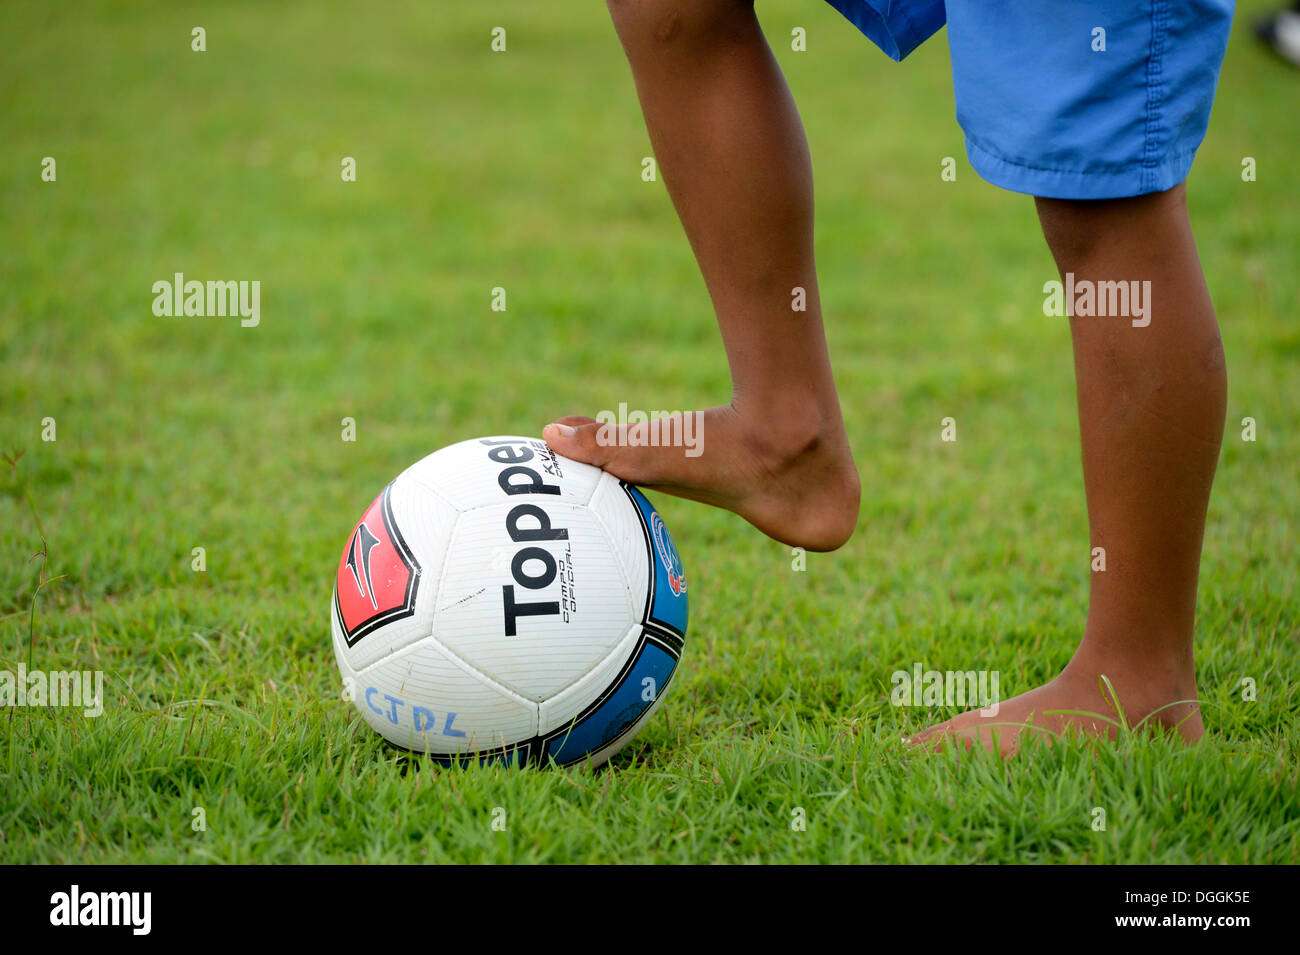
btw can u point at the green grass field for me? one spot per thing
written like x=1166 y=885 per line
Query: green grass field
x=523 y=170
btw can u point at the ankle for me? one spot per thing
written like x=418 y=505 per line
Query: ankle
x=785 y=435
x=1165 y=691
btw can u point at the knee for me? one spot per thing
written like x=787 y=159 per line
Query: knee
x=1076 y=229
x=676 y=21
x=1067 y=228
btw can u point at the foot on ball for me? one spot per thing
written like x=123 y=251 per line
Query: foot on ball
x=794 y=481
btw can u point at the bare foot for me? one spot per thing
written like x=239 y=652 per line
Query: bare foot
x=795 y=483
x=1075 y=702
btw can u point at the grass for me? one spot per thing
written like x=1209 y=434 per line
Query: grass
x=522 y=170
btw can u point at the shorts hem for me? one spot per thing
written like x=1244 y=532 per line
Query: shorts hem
x=896 y=31
x=1135 y=179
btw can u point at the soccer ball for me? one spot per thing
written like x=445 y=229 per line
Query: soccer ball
x=497 y=600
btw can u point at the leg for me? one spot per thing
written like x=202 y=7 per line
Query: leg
x=1151 y=412
x=733 y=155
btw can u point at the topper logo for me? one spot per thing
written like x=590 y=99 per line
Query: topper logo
x=516 y=479
x=363 y=542
x=378 y=575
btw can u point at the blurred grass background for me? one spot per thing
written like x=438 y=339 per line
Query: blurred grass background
x=522 y=170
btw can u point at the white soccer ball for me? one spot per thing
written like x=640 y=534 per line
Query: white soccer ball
x=498 y=600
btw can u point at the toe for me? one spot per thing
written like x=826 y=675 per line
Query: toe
x=624 y=453
x=575 y=437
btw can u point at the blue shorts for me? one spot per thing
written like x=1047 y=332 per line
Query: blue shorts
x=1051 y=105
